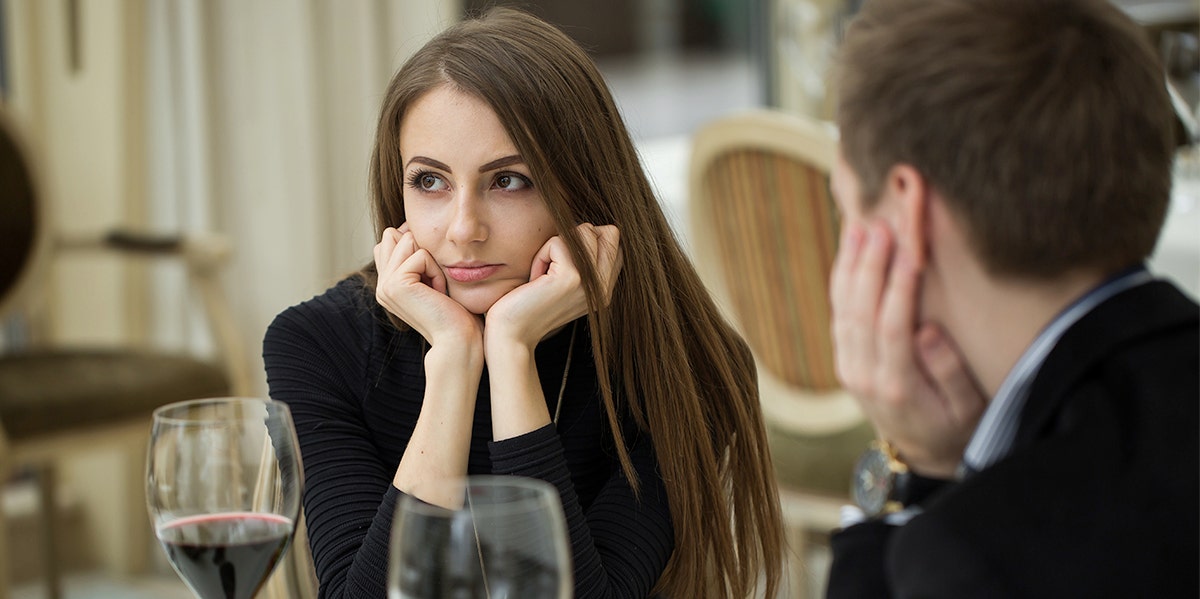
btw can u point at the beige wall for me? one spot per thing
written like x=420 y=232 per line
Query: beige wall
x=82 y=125
x=270 y=111
x=81 y=120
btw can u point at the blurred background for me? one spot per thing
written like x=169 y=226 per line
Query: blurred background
x=254 y=119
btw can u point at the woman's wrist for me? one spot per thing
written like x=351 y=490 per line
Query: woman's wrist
x=518 y=404
x=509 y=359
x=457 y=354
x=501 y=336
x=499 y=343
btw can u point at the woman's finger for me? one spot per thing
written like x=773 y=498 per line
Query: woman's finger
x=589 y=237
x=601 y=245
x=404 y=248
x=609 y=258
x=385 y=248
x=542 y=260
x=421 y=263
x=427 y=268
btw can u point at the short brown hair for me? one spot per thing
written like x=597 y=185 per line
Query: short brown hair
x=1044 y=123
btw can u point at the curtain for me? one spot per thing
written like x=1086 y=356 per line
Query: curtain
x=261 y=117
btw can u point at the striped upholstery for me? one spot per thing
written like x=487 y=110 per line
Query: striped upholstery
x=764 y=237
x=777 y=239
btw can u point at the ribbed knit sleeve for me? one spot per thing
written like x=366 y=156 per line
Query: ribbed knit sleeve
x=622 y=543
x=316 y=359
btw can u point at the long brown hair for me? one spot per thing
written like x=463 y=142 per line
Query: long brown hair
x=680 y=369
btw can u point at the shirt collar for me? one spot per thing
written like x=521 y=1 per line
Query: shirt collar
x=997 y=428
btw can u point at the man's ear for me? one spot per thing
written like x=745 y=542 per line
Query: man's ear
x=908 y=192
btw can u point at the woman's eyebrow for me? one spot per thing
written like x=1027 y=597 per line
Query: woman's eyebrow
x=501 y=163
x=429 y=162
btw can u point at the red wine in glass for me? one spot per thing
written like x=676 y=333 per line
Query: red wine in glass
x=226 y=556
x=223 y=482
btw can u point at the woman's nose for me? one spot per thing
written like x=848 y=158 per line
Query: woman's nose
x=467 y=223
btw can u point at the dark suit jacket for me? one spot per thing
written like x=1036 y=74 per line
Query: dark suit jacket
x=1100 y=496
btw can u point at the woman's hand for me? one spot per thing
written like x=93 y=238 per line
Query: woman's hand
x=516 y=323
x=412 y=286
x=554 y=294
x=911 y=381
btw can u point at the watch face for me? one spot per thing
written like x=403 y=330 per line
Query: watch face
x=873 y=480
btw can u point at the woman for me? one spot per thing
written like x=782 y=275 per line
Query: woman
x=528 y=312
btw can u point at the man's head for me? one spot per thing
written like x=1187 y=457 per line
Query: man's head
x=1044 y=125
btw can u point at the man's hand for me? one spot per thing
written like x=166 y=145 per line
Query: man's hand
x=910 y=379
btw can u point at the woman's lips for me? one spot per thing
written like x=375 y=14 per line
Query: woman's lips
x=470 y=274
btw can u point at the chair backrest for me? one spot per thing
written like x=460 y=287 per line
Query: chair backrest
x=21 y=218
x=764 y=233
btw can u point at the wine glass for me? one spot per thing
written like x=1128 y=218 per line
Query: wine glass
x=480 y=537
x=223 y=482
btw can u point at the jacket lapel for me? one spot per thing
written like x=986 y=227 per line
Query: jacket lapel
x=1148 y=309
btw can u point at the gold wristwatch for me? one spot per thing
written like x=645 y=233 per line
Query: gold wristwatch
x=879 y=480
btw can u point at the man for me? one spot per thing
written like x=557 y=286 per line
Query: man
x=1004 y=172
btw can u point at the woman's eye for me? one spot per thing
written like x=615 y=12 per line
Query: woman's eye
x=430 y=182
x=426 y=181
x=512 y=182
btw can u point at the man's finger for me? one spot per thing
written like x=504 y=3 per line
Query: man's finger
x=896 y=328
x=947 y=371
x=846 y=357
x=859 y=311
x=849 y=248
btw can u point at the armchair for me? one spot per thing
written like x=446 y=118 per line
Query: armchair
x=57 y=401
x=764 y=233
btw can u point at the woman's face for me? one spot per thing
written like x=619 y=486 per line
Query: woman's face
x=469 y=198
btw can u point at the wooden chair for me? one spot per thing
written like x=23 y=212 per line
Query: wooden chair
x=764 y=232
x=55 y=401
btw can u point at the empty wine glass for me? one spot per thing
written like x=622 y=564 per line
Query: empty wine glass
x=481 y=537
x=223 y=483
